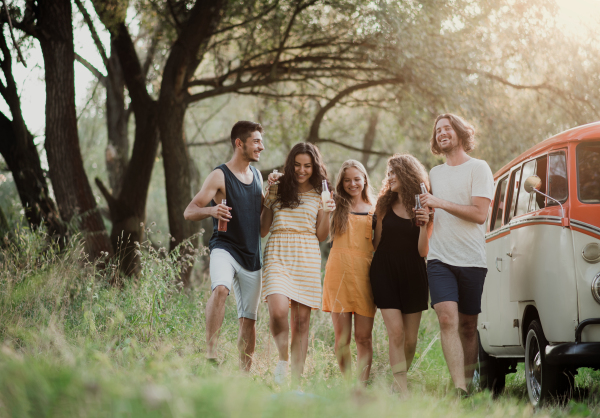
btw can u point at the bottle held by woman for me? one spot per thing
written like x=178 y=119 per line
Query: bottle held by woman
x=294 y=216
x=346 y=288
x=398 y=272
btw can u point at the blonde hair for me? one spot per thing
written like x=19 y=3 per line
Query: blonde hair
x=343 y=201
x=411 y=173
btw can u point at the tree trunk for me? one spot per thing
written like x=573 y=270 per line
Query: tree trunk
x=71 y=187
x=369 y=138
x=21 y=155
x=183 y=60
x=23 y=160
x=128 y=206
x=128 y=210
x=117 y=149
x=3 y=227
x=177 y=177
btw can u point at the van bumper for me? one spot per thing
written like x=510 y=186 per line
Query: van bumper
x=578 y=354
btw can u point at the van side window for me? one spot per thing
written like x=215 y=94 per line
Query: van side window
x=538 y=201
x=523 y=198
x=515 y=179
x=557 y=177
x=498 y=210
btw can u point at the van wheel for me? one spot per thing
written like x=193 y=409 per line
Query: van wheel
x=492 y=373
x=545 y=382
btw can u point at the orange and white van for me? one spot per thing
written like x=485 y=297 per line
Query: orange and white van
x=541 y=299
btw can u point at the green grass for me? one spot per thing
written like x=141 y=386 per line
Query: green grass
x=73 y=346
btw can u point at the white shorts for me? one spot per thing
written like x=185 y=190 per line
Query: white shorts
x=225 y=271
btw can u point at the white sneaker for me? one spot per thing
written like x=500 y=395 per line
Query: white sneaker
x=281 y=372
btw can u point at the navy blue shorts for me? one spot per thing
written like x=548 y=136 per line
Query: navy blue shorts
x=463 y=285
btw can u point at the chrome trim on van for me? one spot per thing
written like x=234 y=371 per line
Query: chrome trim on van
x=497 y=232
x=535 y=219
x=587 y=227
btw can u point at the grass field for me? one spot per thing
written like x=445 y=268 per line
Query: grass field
x=72 y=346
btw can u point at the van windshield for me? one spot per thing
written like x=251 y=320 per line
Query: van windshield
x=588 y=172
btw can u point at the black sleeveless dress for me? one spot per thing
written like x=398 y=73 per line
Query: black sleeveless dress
x=398 y=272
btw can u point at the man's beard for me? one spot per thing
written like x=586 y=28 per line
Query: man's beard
x=449 y=149
x=248 y=156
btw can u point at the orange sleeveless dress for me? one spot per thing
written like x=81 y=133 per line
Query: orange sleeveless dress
x=347 y=287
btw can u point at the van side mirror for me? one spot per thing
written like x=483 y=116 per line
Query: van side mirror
x=533 y=184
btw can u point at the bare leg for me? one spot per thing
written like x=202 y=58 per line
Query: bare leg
x=395 y=329
x=411 y=333
x=215 y=312
x=278 y=323
x=467 y=328
x=447 y=313
x=342 y=327
x=246 y=342
x=300 y=322
x=363 y=327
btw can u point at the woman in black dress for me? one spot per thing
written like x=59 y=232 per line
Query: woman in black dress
x=398 y=274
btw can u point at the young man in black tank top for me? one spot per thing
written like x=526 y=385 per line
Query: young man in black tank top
x=235 y=259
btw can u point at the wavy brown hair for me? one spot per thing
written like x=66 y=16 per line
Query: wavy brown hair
x=343 y=201
x=464 y=130
x=410 y=173
x=287 y=191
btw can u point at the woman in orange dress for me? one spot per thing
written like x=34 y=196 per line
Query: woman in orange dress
x=347 y=289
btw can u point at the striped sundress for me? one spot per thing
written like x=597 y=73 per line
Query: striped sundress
x=292 y=258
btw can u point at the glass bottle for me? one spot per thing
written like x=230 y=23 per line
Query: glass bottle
x=325 y=195
x=222 y=224
x=417 y=207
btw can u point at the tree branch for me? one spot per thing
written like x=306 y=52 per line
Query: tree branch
x=263 y=13
x=210 y=143
x=350 y=147
x=88 y=20
x=12 y=35
x=286 y=36
x=101 y=77
x=314 y=129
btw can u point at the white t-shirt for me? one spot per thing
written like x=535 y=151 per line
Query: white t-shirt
x=455 y=241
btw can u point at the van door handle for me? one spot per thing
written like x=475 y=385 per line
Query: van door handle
x=509 y=254
x=498 y=267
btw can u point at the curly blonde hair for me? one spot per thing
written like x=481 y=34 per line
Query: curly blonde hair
x=410 y=173
x=343 y=201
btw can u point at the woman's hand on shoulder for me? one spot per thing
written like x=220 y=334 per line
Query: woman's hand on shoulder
x=273 y=178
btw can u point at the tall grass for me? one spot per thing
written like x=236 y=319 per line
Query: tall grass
x=71 y=345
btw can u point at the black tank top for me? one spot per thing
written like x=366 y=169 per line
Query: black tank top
x=242 y=238
x=399 y=235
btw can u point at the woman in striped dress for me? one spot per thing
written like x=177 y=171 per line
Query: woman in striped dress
x=294 y=215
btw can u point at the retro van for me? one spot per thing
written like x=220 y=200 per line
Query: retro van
x=541 y=299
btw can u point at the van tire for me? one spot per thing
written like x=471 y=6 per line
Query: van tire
x=546 y=383
x=492 y=372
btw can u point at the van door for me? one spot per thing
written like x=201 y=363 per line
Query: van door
x=541 y=253
x=500 y=310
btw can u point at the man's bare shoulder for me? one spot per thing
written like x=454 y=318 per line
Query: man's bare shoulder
x=216 y=178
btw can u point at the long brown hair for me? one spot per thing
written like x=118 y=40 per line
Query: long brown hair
x=287 y=191
x=464 y=130
x=410 y=173
x=343 y=201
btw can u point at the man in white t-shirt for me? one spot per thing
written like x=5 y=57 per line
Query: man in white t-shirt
x=461 y=192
